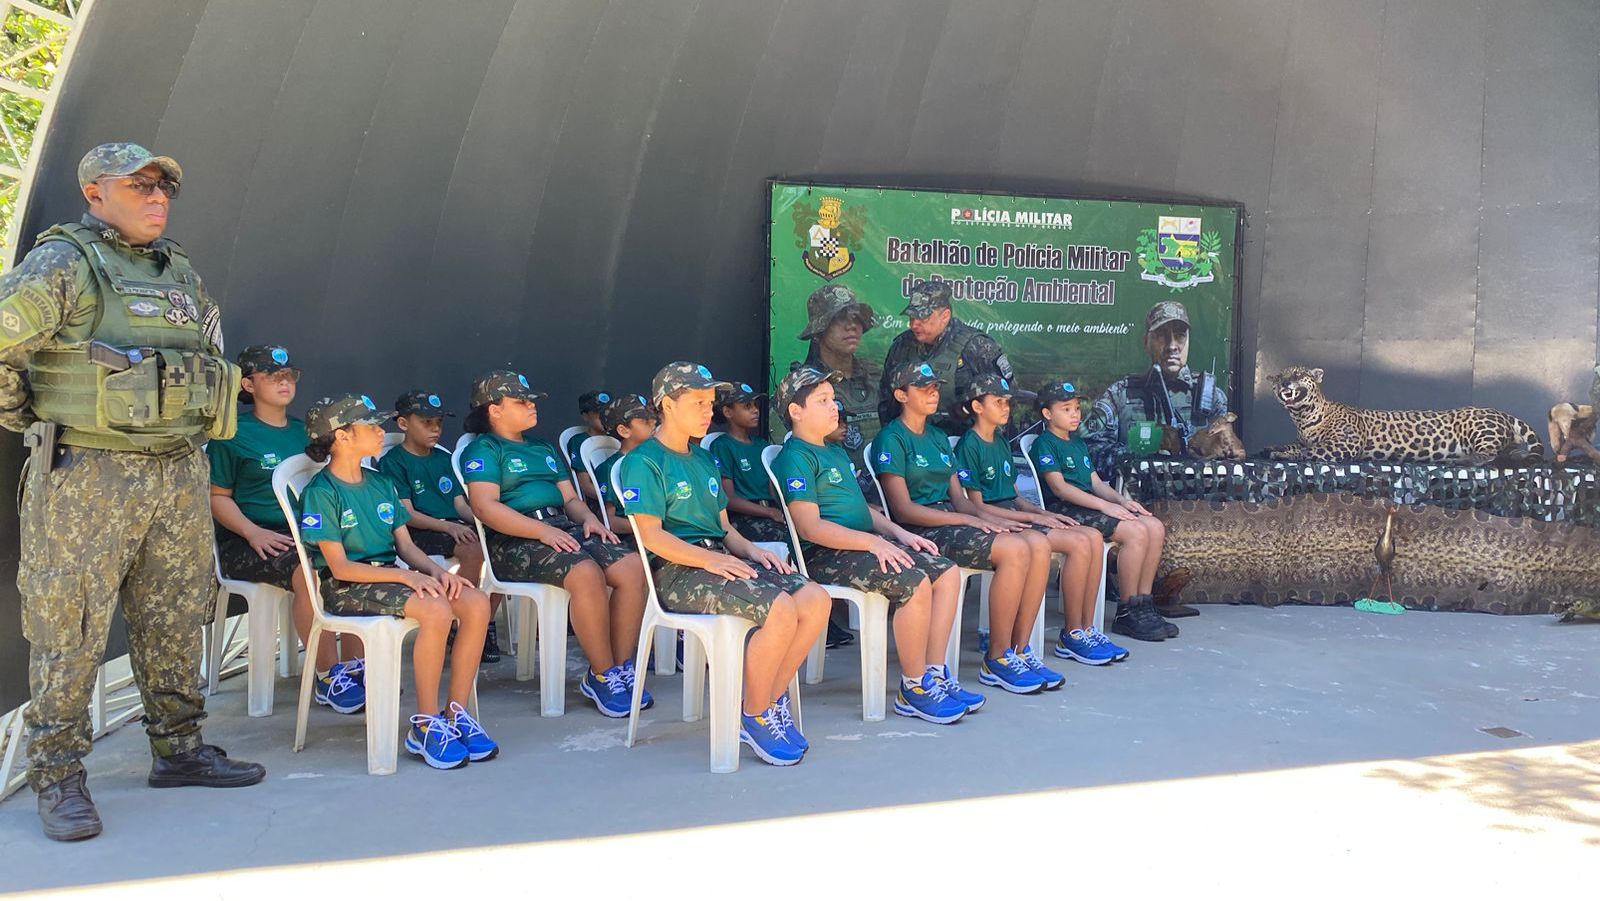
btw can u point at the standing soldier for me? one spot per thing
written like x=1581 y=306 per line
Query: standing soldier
x=958 y=353
x=836 y=320
x=111 y=364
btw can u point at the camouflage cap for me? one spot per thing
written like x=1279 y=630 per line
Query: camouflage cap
x=623 y=409
x=499 y=384
x=123 y=159
x=1163 y=313
x=331 y=414
x=797 y=381
x=1056 y=392
x=682 y=376
x=263 y=358
x=985 y=385
x=928 y=298
x=828 y=303
x=420 y=403
x=738 y=393
x=593 y=401
x=912 y=373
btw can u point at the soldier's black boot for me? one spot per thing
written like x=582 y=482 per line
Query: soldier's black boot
x=67 y=811
x=1136 y=618
x=207 y=765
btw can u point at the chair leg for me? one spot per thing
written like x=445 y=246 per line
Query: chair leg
x=1100 y=599
x=288 y=641
x=527 y=637
x=307 y=675
x=694 y=676
x=384 y=648
x=263 y=631
x=216 y=642
x=952 y=654
x=552 y=654
x=727 y=689
x=874 y=657
x=667 y=651
x=815 y=659
x=794 y=703
x=647 y=634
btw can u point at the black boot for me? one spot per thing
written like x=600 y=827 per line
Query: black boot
x=207 y=765
x=491 y=645
x=1136 y=618
x=67 y=811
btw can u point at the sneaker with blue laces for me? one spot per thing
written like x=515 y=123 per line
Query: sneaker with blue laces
x=793 y=728
x=1080 y=646
x=629 y=674
x=609 y=691
x=341 y=690
x=769 y=738
x=952 y=687
x=437 y=742
x=1011 y=673
x=1118 y=652
x=477 y=742
x=927 y=700
x=1052 y=679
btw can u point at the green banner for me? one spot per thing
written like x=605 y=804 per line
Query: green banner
x=1063 y=285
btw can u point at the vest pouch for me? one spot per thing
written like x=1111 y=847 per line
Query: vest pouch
x=131 y=398
x=225 y=415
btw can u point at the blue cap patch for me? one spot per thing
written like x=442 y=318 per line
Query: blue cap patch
x=1069 y=388
x=603 y=397
x=368 y=401
x=1005 y=384
x=433 y=401
x=280 y=356
x=523 y=379
x=311 y=521
x=704 y=372
x=797 y=484
x=746 y=388
x=925 y=371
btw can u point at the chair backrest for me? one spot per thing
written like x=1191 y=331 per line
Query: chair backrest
x=462 y=442
x=872 y=473
x=561 y=448
x=710 y=437
x=591 y=453
x=288 y=480
x=1027 y=455
x=651 y=598
x=768 y=454
x=954 y=440
x=483 y=540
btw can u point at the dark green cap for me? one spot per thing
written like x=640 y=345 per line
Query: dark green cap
x=738 y=393
x=912 y=373
x=1163 y=313
x=420 y=403
x=331 y=414
x=989 y=384
x=623 y=409
x=829 y=302
x=928 y=298
x=1055 y=392
x=797 y=381
x=682 y=376
x=593 y=401
x=123 y=158
x=263 y=358
x=500 y=384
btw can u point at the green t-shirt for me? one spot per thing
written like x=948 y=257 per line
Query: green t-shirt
x=245 y=463
x=362 y=517
x=1069 y=457
x=741 y=462
x=924 y=461
x=985 y=467
x=684 y=491
x=602 y=475
x=574 y=445
x=427 y=482
x=529 y=473
x=822 y=476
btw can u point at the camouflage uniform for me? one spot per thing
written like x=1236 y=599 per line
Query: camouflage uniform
x=862 y=571
x=531 y=560
x=960 y=356
x=856 y=390
x=968 y=546
x=105 y=522
x=342 y=598
x=690 y=589
x=240 y=561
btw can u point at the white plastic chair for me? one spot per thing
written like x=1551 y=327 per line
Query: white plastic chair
x=383 y=638
x=1100 y=599
x=771 y=547
x=872 y=608
x=561 y=448
x=709 y=438
x=719 y=647
x=270 y=627
x=952 y=654
x=538 y=617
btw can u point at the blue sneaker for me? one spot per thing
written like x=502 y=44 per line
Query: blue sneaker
x=952 y=687
x=1080 y=646
x=341 y=690
x=785 y=714
x=1011 y=673
x=767 y=736
x=609 y=691
x=1052 y=679
x=1118 y=652
x=928 y=701
x=629 y=674
x=477 y=742
x=436 y=742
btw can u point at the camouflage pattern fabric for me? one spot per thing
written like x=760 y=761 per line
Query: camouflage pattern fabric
x=967 y=546
x=113 y=523
x=1138 y=397
x=756 y=528
x=689 y=589
x=240 y=561
x=1094 y=519
x=342 y=598
x=860 y=570
x=531 y=560
x=434 y=544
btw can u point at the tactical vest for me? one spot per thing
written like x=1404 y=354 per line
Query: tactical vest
x=946 y=360
x=141 y=379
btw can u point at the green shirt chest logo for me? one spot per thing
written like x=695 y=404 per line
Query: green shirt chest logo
x=418 y=487
x=834 y=476
x=270 y=461
x=386 y=513
x=682 y=491
x=347 y=519
x=516 y=465
x=744 y=465
x=920 y=460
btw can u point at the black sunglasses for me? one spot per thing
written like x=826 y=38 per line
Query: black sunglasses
x=145 y=185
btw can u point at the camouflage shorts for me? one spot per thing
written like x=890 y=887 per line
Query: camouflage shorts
x=240 y=561
x=860 y=570
x=363 y=598
x=970 y=547
x=1011 y=504
x=434 y=544
x=1094 y=519
x=531 y=560
x=689 y=589
x=756 y=528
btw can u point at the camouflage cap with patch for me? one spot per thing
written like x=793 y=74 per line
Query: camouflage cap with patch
x=123 y=158
x=828 y=303
x=593 y=401
x=331 y=414
x=263 y=358
x=986 y=385
x=928 y=298
x=1055 y=392
x=682 y=376
x=623 y=409
x=797 y=381
x=500 y=384
x=1164 y=312
x=420 y=403
x=738 y=393
x=913 y=373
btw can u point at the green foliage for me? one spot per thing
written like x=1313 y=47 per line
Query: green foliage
x=31 y=49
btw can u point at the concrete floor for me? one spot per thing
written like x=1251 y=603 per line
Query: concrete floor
x=1262 y=745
